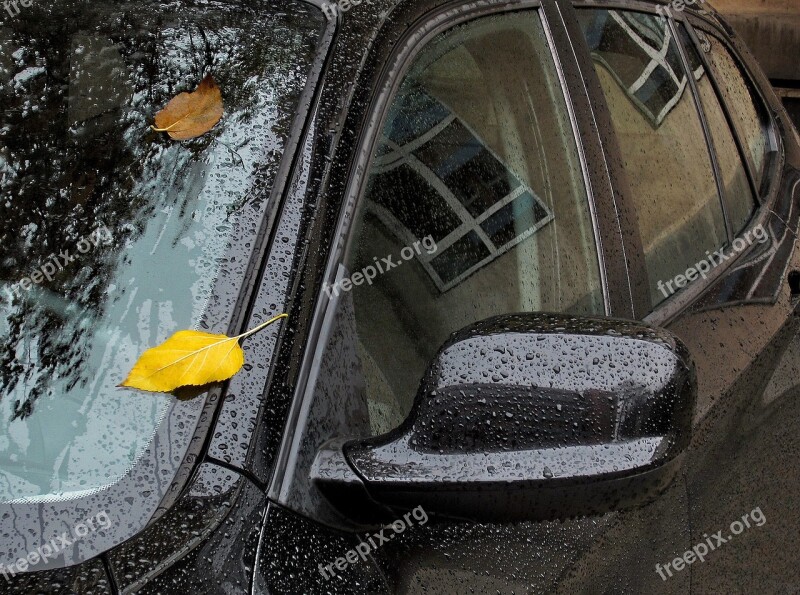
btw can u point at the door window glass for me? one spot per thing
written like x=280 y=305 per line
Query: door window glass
x=477 y=164
x=749 y=117
x=738 y=195
x=661 y=140
x=475 y=206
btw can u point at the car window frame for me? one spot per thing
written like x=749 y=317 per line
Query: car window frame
x=679 y=301
x=357 y=182
x=709 y=137
x=611 y=262
x=774 y=154
x=640 y=280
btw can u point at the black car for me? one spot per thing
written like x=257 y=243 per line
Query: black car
x=467 y=396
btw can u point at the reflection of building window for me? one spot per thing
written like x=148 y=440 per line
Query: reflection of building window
x=640 y=53
x=434 y=176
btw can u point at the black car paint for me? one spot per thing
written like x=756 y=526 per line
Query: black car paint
x=506 y=426
x=727 y=293
x=221 y=508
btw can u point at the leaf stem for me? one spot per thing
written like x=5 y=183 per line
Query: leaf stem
x=167 y=129
x=261 y=326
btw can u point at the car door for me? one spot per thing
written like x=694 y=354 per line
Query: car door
x=480 y=187
x=748 y=420
x=718 y=273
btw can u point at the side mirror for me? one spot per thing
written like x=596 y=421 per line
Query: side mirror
x=527 y=417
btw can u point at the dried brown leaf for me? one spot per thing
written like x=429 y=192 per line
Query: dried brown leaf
x=189 y=115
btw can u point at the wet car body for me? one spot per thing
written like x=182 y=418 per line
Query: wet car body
x=221 y=526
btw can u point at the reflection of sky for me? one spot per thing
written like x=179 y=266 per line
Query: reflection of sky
x=90 y=435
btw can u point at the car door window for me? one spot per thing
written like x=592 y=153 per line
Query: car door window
x=475 y=206
x=739 y=198
x=662 y=143
x=749 y=116
x=478 y=158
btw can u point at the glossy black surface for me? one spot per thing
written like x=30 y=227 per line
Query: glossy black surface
x=220 y=534
x=314 y=547
x=741 y=351
x=529 y=416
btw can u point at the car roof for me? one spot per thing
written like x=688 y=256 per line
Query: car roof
x=367 y=17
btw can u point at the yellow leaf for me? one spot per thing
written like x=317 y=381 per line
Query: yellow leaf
x=188 y=115
x=190 y=358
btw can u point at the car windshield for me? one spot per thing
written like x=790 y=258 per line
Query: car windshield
x=114 y=236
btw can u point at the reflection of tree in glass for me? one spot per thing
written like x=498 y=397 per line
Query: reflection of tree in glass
x=80 y=84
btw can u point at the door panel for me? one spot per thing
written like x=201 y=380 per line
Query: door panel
x=742 y=333
x=740 y=327
x=520 y=119
x=747 y=352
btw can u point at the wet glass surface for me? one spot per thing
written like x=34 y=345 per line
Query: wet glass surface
x=748 y=116
x=113 y=235
x=739 y=199
x=661 y=142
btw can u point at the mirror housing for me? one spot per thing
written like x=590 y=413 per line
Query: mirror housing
x=527 y=417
